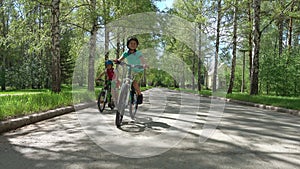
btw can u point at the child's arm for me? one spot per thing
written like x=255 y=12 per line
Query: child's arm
x=120 y=59
x=101 y=75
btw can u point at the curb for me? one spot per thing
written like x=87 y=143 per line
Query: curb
x=262 y=106
x=13 y=124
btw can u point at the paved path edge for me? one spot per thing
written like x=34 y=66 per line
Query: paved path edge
x=15 y=123
x=12 y=124
x=262 y=106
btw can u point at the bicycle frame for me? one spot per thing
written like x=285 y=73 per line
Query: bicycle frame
x=126 y=81
x=108 y=91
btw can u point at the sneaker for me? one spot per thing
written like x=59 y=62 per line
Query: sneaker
x=140 y=99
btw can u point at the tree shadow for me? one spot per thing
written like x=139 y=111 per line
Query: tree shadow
x=246 y=138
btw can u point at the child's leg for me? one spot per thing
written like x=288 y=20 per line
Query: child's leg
x=138 y=92
x=136 y=87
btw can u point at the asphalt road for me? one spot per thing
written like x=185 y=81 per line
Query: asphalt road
x=173 y=130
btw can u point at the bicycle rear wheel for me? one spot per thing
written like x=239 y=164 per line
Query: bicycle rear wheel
x=101 y=101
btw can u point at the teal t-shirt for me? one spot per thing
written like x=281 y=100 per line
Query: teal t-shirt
x=133 y=59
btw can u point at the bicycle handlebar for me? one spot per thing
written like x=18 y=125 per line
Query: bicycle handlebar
x=100 y=80
x=130 y=65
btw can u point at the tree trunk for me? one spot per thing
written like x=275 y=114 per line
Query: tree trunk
x=199 y=56
x=250 y=38
x=233 y=64
x=106 y=44
x=175 y=84
x=92 y=49
x=256 y=45
x=182 y=84
x=280 y=32
x=193 y=71
x=118 y=50
x=217 y=47
x=2 y=74
x=55 y=48
x=3 y=31
x=290 y=29
x=243 y=75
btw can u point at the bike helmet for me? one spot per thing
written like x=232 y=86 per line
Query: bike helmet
x=109 y=62
x=132 y=39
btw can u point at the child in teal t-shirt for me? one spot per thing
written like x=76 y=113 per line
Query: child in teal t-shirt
x=134 y=57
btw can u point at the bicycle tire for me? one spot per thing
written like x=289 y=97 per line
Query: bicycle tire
x=122 y=98
x=121 y=105
x=111 y=107
x=118 y=120
x=101 y=101
x=133 y=106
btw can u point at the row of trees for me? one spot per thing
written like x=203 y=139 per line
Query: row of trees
x=41 y=40
x=267 y=31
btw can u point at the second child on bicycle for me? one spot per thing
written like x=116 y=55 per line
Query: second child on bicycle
x=134 y=57
x=110 y=76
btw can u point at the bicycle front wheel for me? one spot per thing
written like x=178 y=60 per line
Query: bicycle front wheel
x=123 y=98
x=133 y=106
x=119 y=119
x=101 y=101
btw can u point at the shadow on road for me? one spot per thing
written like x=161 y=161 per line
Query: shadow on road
x=246 y=138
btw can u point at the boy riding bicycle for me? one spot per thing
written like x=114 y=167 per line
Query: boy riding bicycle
x=134 y=57
x=110 y=76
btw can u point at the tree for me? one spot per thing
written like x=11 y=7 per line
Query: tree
x=233 y=64
x=216 y=62
x=3 y=33
x=280 y=30
x=55 y=48
x=66 y=59
x=92 y=44
x=194 y=11
x=250 y=22
x=256 y=46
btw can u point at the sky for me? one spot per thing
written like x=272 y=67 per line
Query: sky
x=164 y=4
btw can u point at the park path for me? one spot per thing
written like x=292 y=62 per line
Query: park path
x=169 y=127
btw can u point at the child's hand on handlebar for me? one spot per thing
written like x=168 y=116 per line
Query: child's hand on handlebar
x=117 y=61
x=145 y=66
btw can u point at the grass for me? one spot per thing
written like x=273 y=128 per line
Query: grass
x=23 y=102
x=278 y=101
x=15 y=103
x=146 y=88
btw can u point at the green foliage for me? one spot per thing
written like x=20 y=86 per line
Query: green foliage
x=66 y=59
x=278 y=101
x=160 y=78
x=25 y=40
x=286 y=102
x=22 y=102
x=280 y=74
x=16 y=105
